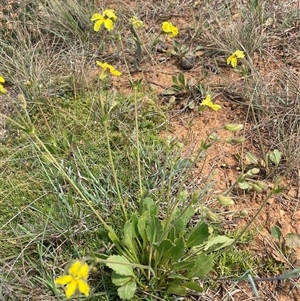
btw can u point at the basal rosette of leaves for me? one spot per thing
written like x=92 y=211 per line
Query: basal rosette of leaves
x=163 y=254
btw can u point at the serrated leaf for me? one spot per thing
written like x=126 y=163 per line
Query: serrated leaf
x=120 y=265
x=119 y=280
x=176 y=289
x=193 y=286
x=276 y=232
x=217 y=243
x=126 y=291
x=203 y=265
x=251 y=158
x=292 y=240
x=198 y=235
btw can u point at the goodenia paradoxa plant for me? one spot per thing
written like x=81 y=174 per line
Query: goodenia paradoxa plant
x=163 y=256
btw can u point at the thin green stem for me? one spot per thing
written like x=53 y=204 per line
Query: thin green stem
x=106 y=134
x=137 y=140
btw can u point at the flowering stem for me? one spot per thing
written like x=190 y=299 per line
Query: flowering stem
x=137 y=140
x=106 y=133
x=135 y=86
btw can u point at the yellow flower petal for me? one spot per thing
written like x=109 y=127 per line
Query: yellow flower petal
x=98 y=25
x=83 y=272
x=83 y=287
x=71 y=288
x=96 y=17
x=208 y=103
x=109 y=24
x=137 y=23
x=233 y=58
x=239 y=54
x=63 y=280
x=75 y=268
x=2 y=90
x=2 y=80
x=110 y=13
x=169 y=29
x=108 y=67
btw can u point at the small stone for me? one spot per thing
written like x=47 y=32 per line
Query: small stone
x=188 y=63
x=161 y=47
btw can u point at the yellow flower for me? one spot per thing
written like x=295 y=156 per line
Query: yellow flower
x=76 y=280
x=110 y=14
x=107 y=18
x=107 y=68
x=169 y=29
x=136 y=23
x=208 y=103
x=233 y=59
x=2 y=89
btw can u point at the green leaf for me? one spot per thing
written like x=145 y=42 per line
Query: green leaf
x=175 y=80
x=113 y=237
x=120 y=265
x=148 y=204
x=276 y=232
x=275 y=156
x=187 y=215
x=164 y=248
x=183 y=265
x=193 y=286
x=177 y=277
x=203 y=265
x=181 y=79
x=129 y=235
x=292 y=240
x=176 y=289
x=168 y=92
x=126 y=291
x=153 y=229
x=251 y=158
x=179 y=250
x=177 y=230
x=141 y=225
x=217 y=243
x=198 y=235
x=118 y=279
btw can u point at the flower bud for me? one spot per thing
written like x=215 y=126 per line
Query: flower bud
x=183 y=195
x=262 y=185
x=225 y=200
x=233 y=127
x=255 y=187
x=235 y=140
x=253 y=171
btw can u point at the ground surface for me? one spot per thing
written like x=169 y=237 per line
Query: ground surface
x=275 y=55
